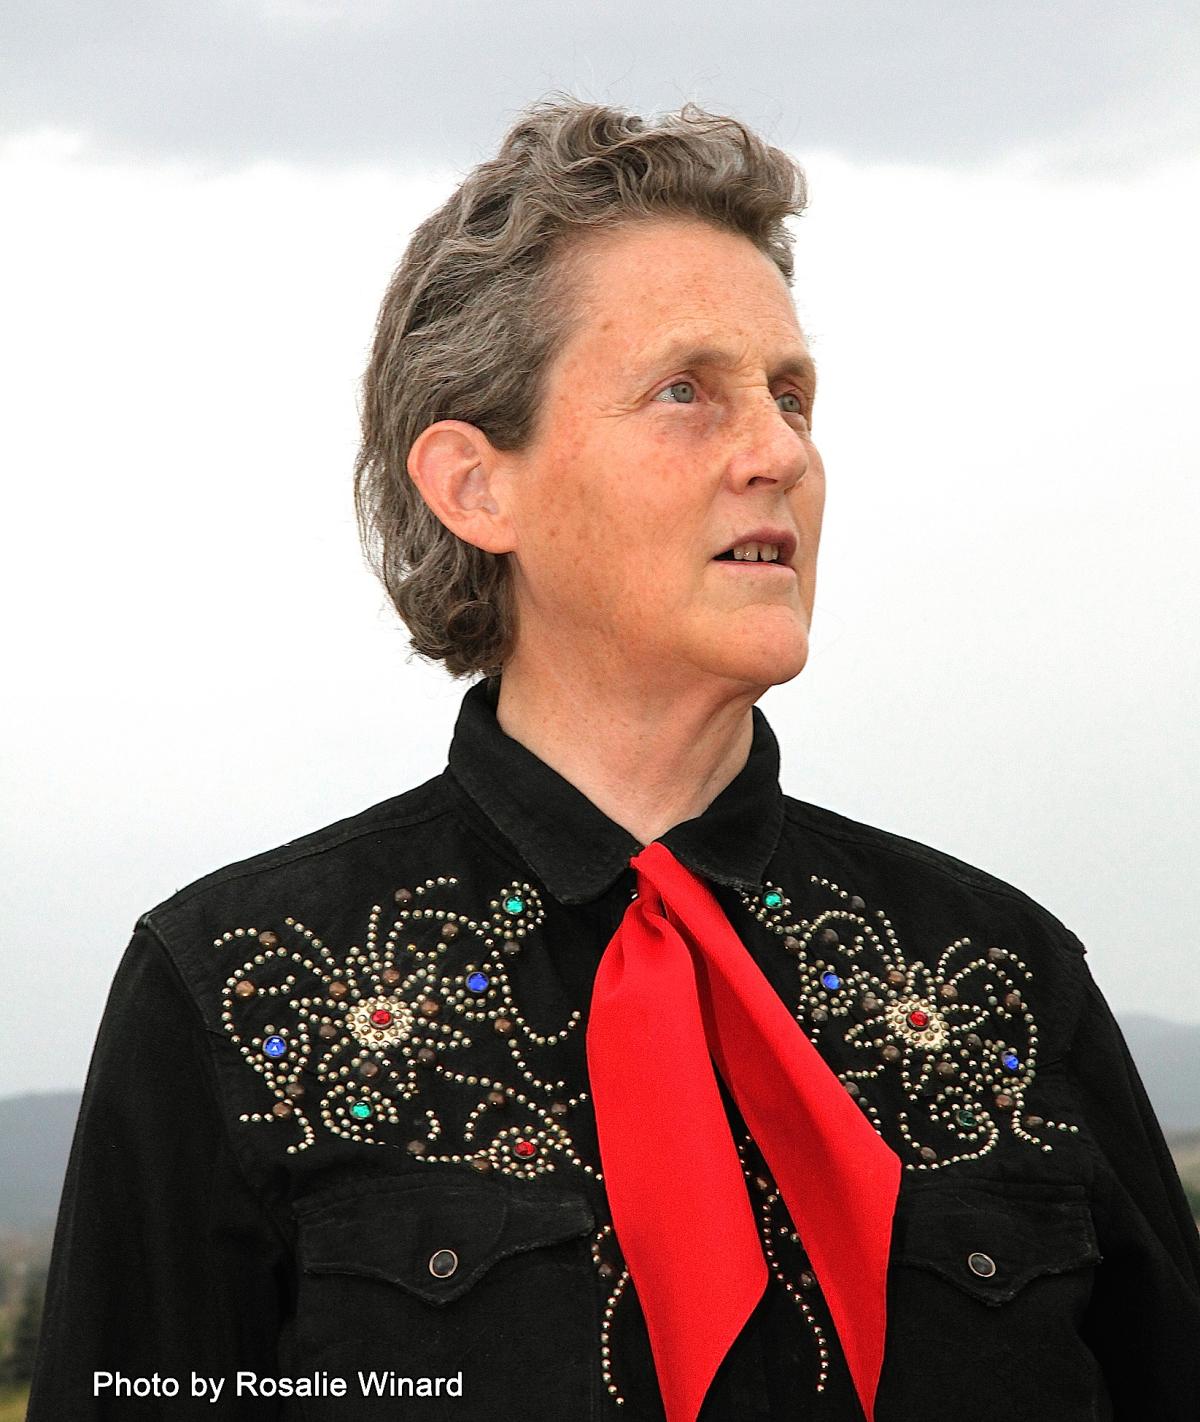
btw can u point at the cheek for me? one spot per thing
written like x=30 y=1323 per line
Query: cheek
x=611 y=522
x=808 y=499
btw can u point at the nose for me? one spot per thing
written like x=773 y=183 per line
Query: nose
x=767 y=447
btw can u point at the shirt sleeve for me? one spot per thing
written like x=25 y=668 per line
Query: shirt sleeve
x=1144 y=1320
x=164 y=1263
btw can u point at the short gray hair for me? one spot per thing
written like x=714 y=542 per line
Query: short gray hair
x=479 y=307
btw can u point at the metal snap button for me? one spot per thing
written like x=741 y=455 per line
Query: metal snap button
x=982 y=1264
x=443 y=1263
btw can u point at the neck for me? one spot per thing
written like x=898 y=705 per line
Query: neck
x=649 y=753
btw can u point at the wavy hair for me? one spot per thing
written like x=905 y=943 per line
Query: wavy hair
x=480 y=305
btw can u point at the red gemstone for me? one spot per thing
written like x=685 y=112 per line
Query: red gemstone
x=381 y=1017
x=524 y=1148
x=917 y=1018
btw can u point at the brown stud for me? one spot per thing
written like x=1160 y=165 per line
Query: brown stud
x=1034 y=1121
x=946 y=1069
x=481 y=1163
x=559 y=1108
x=948 y=991
x=829 y=936
x=891 y=1053
x=429 y=1007
x=1012 y=999
x=928 y=1153
x=449 y=930
x=606 y=1271
x=368 y=1069
x=426 y=1055
x=763 y=1184
x=819 y=1014
x=974 y=1041
x=808 y=1280
x=403 y=896
x=870 y=1002
x=1003 y=1101
x=327 y=1031
x=496 y=1098
x=245 y=988
x=416 y=1147
x=268 y=939
x=996 y=955
x=295 y=1088
x=338 y=990
x=857 y=904
x=852 y=1088
x=792 y=943
x=282 y=1108
x=391 y=976
x=896 y=978
x=504 y=1025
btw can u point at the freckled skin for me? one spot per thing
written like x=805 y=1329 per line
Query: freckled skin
x=618 y=507
x=637 y=658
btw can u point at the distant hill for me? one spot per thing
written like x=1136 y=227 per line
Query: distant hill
x=36 y=1132
x=36 y=1129
x=1167 y=1055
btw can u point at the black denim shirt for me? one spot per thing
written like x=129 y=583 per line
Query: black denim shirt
x=337 y=1123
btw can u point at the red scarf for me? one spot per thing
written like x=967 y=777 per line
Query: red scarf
x=675 y=986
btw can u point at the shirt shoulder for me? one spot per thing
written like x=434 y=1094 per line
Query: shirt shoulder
x=884 y=852
x=324 y=876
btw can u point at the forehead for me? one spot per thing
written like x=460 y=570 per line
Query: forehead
x=662 y=287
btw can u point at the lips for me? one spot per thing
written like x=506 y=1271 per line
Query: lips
x=783 y=539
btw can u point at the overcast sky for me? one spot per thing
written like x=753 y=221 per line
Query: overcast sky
x=201 y=208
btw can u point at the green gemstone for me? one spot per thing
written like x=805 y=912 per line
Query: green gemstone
x=513 y=904
x=966 y=1117
x=772 y=900
x=360 y=1110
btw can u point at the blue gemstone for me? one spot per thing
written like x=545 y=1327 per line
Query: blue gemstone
x=275 y=1046
x=1011 y=1060
x=477 y=982
x=831 y=981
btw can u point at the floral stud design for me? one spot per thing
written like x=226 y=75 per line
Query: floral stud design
x=958 y=1037
x=349 y=1042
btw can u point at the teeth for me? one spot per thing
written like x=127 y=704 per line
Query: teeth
x=760 y=552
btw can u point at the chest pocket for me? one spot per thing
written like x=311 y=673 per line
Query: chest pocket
x=480 y=1285
x=991 y=1242
x=988 y=1290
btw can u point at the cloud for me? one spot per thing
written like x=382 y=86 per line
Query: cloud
x=416 y=86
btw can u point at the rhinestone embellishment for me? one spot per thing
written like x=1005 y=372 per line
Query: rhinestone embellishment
x=347 y=1042
x=957 y=1037
x=365 y=1030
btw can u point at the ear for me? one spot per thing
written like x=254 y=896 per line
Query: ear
x=464 y=480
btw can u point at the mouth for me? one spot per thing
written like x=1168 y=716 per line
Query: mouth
x=768 y=551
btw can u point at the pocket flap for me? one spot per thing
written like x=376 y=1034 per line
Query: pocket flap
x=991 y=1240
x=396 y=1229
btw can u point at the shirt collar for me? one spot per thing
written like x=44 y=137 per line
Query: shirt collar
x=572 y=846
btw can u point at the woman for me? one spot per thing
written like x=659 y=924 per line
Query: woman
x=596 y=1076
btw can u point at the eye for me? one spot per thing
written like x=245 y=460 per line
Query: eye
x=679 y=385
x=689 y=386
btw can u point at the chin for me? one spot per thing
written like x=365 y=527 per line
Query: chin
x=769 y=663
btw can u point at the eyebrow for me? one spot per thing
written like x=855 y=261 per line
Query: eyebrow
x=684 y=353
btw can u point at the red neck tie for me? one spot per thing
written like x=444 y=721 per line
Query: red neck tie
x=675 y=985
